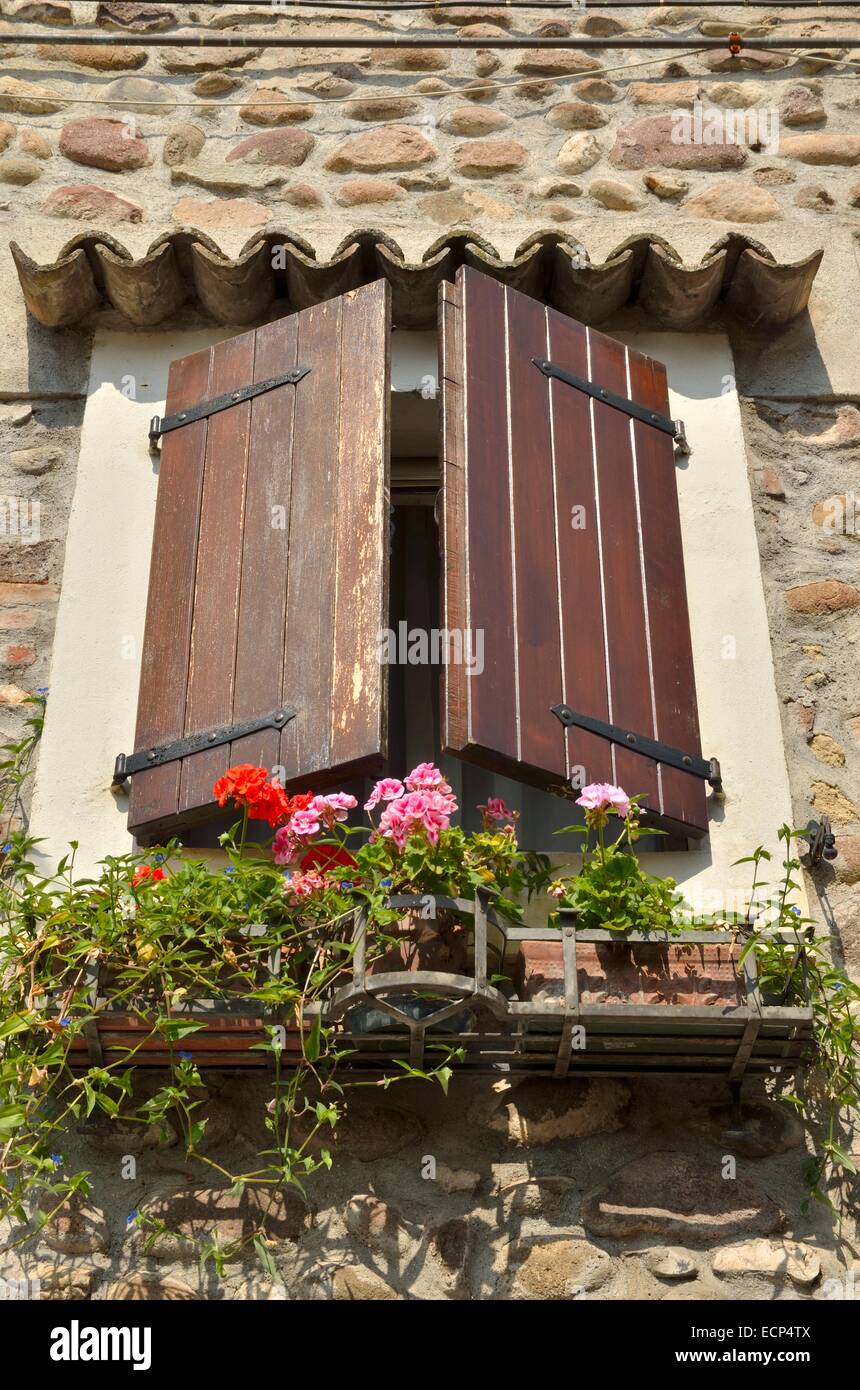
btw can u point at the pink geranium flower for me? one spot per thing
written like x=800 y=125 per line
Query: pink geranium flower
x=334 y=807
x=427 y=777
x=496 y=812
x=602 y=797
x=389 y=789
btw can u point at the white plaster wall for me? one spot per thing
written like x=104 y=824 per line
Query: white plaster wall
x=93 y=695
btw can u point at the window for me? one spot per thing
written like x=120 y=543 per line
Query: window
x=287 y=541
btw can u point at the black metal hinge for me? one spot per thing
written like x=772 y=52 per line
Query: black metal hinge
x=127 y=765
x=159 y=426
x=706 y=768
x=675 y=428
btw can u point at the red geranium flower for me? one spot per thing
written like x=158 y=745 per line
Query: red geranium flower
x=144 y=873
x=242 y=783
x=272 y=804
x=249 y=786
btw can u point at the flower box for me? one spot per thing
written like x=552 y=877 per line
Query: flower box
x=233 y=1024
x=565 y=1002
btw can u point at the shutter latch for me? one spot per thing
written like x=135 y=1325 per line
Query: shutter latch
x=159 y=426
x=127 y=765
x=706 y=768
x=675 y=428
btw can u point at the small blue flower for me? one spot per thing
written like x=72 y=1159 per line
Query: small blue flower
x=42 y=689
x=159 y=858
x=230 y=870
x=347 y=883
x=385 y=882
x=131 y=1218
x=186 y=1056
x=795 y=910
x=57 y=1160
x=287 y=875
x=64 y=1022
x=7 y=847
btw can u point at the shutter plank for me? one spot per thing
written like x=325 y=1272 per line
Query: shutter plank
x=170 y=604
x=683 y=798
x=455 y=600
x=493 y=718
x=263 y=600
x=360 y=597
x=212 y=661
x=579 y=552
x=535 y=538
x=306 y=740
x=624 y=602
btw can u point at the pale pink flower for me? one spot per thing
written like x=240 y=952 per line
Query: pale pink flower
x=300 y=886
x=387 y=790
x=602 y=797
x=305 y=824
x=556 y=890
x=497 y=811
x=426 y=777
x=333 y=807
x=285 y=846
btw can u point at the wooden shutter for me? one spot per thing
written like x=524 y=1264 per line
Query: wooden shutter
x=268 y=581
x=592 y=617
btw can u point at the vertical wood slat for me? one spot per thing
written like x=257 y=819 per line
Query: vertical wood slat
x=626 y=631
x=306 y=740
x=594 y=616
x=266 y=539
x=534 y=529
x=170 y=602
x=212 y=660
x=683 y=798
x=578 y=553
x=359 y=688
x=247 y=615
x=453 y=528
x=493 y=707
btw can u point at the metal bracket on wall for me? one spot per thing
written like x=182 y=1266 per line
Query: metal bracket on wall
x=822 y=842
x=675 y=428
x=128 y=765
x=706 y=768
x=159 y=426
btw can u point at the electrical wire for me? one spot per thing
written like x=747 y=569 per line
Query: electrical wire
x=489 y=85
x=343 y=41
x=474 y=87
x=557 y=5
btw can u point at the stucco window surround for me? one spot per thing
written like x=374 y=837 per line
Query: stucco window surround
x=95 y=674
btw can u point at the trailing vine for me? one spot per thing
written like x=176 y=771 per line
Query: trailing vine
x=162 y=930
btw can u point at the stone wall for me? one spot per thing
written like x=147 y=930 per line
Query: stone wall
x=530 y=1187
x=541 y=1189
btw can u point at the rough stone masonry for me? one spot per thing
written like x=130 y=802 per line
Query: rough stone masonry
x=540 y=1190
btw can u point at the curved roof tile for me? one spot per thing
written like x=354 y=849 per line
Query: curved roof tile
x=94 y=269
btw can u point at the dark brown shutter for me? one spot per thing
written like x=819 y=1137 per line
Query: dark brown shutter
x=594 y=618
x=251 y=607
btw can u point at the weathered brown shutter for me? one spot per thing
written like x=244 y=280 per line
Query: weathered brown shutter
x=594 y=618
x=269 y=572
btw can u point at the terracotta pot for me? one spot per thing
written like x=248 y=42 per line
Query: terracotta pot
x=622 y=972
x=435 y=943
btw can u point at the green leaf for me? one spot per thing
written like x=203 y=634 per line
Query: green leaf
x=16 y=1023
x=312 y=1041
x=11 y=1118
x=264 y=1255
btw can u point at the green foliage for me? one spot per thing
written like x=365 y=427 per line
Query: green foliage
x=166 y=930
x=612 y=891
